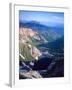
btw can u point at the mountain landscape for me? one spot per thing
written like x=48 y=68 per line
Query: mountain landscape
x=41 y=51
x=46 y=32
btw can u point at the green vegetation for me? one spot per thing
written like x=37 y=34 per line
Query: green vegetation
x=25 y=52
x=34 y=42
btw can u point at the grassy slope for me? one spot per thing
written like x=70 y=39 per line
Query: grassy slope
x=25 y=52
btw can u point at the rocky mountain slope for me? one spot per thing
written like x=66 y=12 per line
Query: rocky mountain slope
x=27 y=49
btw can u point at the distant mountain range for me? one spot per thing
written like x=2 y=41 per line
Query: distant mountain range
x=49 y=33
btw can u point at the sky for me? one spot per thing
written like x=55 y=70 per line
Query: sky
x=46 y=18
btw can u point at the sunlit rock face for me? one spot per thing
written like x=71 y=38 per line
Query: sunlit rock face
x=25 y=35
x=27 y=32
x=35 y=52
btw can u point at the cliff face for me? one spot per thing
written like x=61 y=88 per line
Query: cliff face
x=26 y=48
x=27 y=32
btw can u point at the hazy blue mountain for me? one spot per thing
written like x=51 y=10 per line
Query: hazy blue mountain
x=49 y=33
